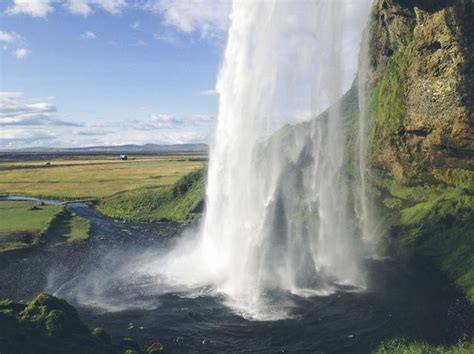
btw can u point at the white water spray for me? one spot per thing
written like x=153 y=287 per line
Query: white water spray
x=280 y=214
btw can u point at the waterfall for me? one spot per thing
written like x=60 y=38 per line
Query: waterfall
x=285 y=218
x=279 y=213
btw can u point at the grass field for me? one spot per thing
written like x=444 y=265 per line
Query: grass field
x=92 y=176
x=70 y=227
x=22 y=224
x=179 y=202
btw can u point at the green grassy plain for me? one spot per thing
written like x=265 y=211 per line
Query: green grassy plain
x=178 y=202
x=21 y=226
x=93 y=176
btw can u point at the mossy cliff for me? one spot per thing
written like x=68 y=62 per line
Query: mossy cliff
x=421 y=137
x=421 y=77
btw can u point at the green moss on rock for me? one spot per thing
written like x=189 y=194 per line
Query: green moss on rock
x=402 y=346
x=101 y=335
x=442 y=230
x=393 y=203
x=456 y=177
x=50 y=325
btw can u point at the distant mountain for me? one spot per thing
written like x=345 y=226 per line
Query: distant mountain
x=114 y=149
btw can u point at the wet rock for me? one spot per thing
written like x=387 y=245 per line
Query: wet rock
x=130 y=345
x=156 y=347
x=101 y=335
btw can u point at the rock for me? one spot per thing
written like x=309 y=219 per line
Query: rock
x=48 y=325
x=422 y=93
x=129 y=344
x=156 y=347
x=101 y=335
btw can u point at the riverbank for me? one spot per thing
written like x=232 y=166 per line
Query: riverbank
x=28 y=224
x=181 y=202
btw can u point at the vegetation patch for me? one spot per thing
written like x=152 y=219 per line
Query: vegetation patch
x=22 y=224
x=442 y=229
x=69 y=227
x=436 y=223
x=85 y=177
x=393 y=203
x=180 y=202
x=50 y=325
x=455 y=177
x=402 y=346
x=387 y=102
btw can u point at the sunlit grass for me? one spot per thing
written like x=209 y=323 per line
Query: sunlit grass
x=21 y=225
x=85 y=177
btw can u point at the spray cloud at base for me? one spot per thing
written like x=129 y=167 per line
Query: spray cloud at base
x=280 y=212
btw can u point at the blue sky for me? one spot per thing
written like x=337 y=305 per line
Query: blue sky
x=88 y=72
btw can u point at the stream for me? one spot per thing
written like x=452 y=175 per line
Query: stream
x=402 y=300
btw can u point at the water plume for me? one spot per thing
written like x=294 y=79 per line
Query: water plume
x=279 y=216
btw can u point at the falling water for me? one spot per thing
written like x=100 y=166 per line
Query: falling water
x=279 y=215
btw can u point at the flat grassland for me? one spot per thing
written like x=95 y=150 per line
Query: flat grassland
x=92 y=176
x=22 y=224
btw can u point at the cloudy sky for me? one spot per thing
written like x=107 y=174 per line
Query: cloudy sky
x=93 y=72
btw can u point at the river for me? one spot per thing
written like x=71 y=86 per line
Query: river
x=402 y=300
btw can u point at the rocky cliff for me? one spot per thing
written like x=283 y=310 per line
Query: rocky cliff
x=421 y=129
x=421 y=77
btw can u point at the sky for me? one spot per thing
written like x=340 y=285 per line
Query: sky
x=109 y=72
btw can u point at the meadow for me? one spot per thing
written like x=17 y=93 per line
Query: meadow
x=92 y=176
x=144 y=188
x=25 y=224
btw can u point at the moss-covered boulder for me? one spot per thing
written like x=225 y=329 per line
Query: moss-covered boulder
x=50 y=325
x=398 y=346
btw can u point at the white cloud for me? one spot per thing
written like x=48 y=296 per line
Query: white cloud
x=34 y=8
x=167 y=122
x=135 y=26
x=208 y=17
x=169 y=37
x=210 y=92
x=88 y=35
x=30 y=122
x=201 y=120
x=15 y=111
x=157 y=121
x=85 y=7
x=22 y=53
x=19 y=138
x=10 y=37
x=41 y=8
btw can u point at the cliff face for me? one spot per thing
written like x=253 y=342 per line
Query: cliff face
x=421 y=118
x=421 y=75
x=420 y=132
